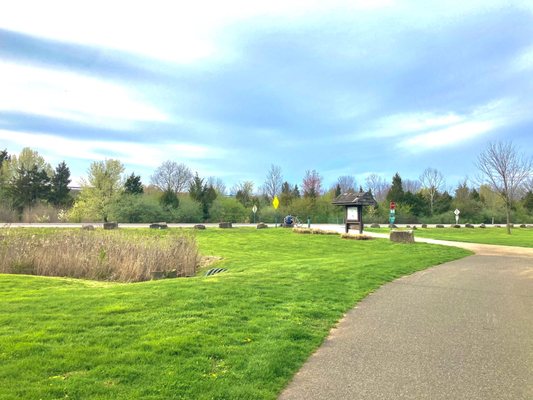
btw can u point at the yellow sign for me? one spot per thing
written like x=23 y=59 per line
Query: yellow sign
x=275 y=202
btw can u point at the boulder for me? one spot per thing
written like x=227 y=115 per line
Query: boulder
x=261 y=225
x=375 y=226
x=110 y=225
x=159 y=225
x=154 y=275
x=456 y=226
x=482 y=226
x=523 y=226
x=402 y=236
x=88 y=227
x=225 y=225
x=199 y=226
x=424 y=225
x=439 y=226
x=392 y=226
x=469 y=226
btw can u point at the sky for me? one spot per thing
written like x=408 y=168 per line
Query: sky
x=230 y=88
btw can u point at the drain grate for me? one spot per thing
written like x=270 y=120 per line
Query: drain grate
x=214 y=271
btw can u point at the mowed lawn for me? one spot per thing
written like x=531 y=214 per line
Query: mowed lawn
x=522 y=237
x=241 y=334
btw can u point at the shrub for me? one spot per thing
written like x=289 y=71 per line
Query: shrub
x=99 y=256
x=134 y=208
x=228 y=209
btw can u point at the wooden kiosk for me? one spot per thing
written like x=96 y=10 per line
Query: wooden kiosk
x=354 y=203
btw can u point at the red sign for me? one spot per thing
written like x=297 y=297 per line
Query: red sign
x=392 y=205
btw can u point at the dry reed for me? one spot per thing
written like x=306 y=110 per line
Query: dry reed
x=98 y=255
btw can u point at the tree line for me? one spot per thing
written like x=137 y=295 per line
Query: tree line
x=32 y=191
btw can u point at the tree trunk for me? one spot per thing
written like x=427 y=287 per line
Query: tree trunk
x=508 y=215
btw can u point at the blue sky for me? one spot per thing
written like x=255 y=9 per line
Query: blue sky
x=343 y=87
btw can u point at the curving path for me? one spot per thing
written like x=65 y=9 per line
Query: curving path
x=461 y=330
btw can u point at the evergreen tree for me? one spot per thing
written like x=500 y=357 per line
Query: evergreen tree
x=286 y=196
x=133 y=185
x=59 y=191
x=28 y=186
x=296 y=192
x=528 y=201
x=396 y=192
x=338 y=190
x=203 y=194
x=169 y=199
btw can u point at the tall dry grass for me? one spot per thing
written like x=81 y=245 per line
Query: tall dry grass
x=97 y=255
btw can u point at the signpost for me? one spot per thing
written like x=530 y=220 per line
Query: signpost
x=254 y=210
x=392 y=214
x=275 y=204
x=457 y=212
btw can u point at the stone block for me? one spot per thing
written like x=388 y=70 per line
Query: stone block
x=159 y=225
x=439 y=226
x=225 y=225
x=402 y=236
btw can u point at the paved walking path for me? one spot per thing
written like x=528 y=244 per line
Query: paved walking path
x=461 y=330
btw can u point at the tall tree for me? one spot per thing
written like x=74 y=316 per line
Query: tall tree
x=172 y=176
x=133 y=184
x=202 y=193
x=102 y=187
x=218 y=184
x=378 y=186
x=396 y=192
x=29 y=186
x=273 y=181
x=505 y=170
x=346 y=184
x=60 y=192
x=432 y=181
x=286 y=197
x=312 y=184
x=244 y=193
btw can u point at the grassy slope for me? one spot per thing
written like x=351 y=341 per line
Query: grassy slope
x=238 y=335
x=522 y=237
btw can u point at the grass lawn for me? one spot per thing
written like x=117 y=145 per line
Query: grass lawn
x=241 y=334
x=522 y=237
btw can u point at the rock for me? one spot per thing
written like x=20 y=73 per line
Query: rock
x=159 y=225
x=523 y=226
x=456 y=226
x=424 y=225
x=439 y=226
x=469 y=226
x=375 y=226
x=262 y=226
x=392 y=226
x=497 y=226
x=225 y=225
x=414 y=227
x=157 y=275
x=172 y=273
x=88 y=227
x=408 y=226
x=482 y=226
x=199 y=226
x=110 y=225
x=402 y=236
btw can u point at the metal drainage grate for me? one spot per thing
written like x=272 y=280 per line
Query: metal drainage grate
x=214 y=271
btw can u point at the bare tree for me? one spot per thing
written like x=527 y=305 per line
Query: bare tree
x=431 y=180
x=312 y=184
x=411 y=186
x=218 y=184
x=171 y=176
x=378 y=186
x=273 y=182
x=346 y=183
x=506 y=171
x=244 y=192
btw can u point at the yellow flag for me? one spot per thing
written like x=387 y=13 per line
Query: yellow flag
x=275 y=202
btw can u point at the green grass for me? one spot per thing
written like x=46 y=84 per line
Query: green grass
x=521 y=237
x=241 y=334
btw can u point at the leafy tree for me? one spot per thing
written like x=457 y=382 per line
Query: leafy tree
x=442 y=203
x=227 y=209
x=505 y=170
x=416 y=202
x=102 y=188
x=172 y=176
x=202 y=193
x=132 y=208
x=4 y=156
x=396 y=192
x=528 y=201
x=169 y=199
x=133 y=185
x=29 y=186
x=244 y=193
x=60 y=192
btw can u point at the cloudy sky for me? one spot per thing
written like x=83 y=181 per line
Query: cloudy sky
x=229 y=88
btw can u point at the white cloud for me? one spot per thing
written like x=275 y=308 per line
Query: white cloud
x=56 y=148
x=71 y=96
x=172 y=30
x=448 y=136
